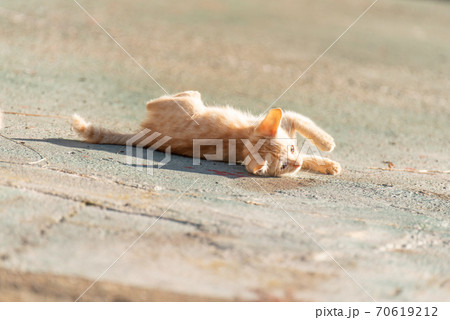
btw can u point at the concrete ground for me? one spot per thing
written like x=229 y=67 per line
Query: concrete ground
x=69 y=209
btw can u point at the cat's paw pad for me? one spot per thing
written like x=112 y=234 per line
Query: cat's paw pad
x=333 y=168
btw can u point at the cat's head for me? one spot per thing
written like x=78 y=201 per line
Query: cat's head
x=274 y=153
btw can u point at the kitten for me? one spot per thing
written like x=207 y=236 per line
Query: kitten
x=265 y=146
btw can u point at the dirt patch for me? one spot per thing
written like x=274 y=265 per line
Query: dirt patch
x=18 y=286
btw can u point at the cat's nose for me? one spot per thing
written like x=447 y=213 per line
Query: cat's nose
x=297 y=164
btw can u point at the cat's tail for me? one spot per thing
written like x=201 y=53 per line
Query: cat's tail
x=94 y=134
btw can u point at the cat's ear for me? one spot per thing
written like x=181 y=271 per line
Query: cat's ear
x=269 y=126
x=254 y=167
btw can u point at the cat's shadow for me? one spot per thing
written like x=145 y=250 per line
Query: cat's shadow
x=176 y=163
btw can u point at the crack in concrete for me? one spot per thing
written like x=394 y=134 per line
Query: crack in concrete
x=90 y=202
x=70 y=172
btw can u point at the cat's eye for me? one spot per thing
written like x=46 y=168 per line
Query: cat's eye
x=283 y=166
x=292 y=148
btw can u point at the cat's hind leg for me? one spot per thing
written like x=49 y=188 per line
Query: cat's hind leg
x=193 y=94
x=189 y=102
x=321 y=165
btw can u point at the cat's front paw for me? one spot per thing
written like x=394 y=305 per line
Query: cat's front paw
x=333 y=168
x=325 y=144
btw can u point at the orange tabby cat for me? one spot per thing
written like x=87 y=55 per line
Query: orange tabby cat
x=264 y=146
